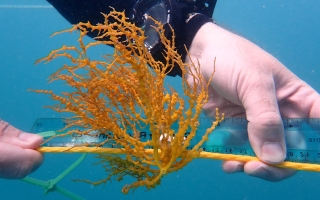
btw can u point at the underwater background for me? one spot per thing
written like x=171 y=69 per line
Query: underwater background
x=289 y=30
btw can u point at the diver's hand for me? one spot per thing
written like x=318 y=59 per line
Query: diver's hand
x=250 y=83
x=17 y=155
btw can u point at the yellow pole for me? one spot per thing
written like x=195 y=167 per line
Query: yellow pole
x=207 y=155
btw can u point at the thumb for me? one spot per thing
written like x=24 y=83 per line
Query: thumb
x=14 y=136
x=265 y=129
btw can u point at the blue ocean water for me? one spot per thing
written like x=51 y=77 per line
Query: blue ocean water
x=287 y=29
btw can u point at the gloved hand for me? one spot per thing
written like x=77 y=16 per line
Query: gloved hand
x=251 y=83
x=17 y=155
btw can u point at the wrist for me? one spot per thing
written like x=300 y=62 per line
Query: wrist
x=210 y=36
x=185 y=37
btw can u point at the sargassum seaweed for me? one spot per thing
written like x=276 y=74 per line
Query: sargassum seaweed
x=121 y=92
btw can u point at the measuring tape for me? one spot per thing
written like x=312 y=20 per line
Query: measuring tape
x=302 y=137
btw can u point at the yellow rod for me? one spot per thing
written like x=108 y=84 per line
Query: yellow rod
x=207 y=155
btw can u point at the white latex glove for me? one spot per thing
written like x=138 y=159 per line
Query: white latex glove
x=251 y=83
x=17 y=155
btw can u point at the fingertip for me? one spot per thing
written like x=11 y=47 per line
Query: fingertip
x=256 y=169
x=33 y=141
x=266 y=135
x=231 y=167
x=272 y=153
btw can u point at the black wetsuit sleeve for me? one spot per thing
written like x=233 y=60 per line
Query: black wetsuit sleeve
x=76 y=11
